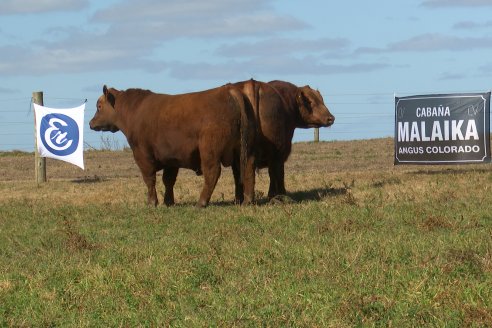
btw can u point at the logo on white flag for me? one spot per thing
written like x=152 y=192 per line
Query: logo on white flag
x=60 y=133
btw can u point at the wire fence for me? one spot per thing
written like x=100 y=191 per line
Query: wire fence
x=358 y=116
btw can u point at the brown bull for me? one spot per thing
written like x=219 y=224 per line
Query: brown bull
x=280 y=107
x=199 y=131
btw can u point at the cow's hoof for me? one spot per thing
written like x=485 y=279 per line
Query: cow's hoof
x=248 y=202
x=169 y=202
x=201 y=204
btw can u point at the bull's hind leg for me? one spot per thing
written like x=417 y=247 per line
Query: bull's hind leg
x=244 y=188
x=169 y=179
x=211 y=173
x=239 y=187
x=249 y=181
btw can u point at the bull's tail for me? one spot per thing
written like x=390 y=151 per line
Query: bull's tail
x=252 y=91
x=246 y=132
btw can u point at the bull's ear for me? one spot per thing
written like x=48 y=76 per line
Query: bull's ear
x=109 y=96
x=111 y=99
x=301 y=95
x=303 y=99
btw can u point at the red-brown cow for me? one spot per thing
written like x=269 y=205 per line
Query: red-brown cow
x=199 y=131
x=280 y=107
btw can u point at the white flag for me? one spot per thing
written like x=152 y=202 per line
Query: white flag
x=60 y=133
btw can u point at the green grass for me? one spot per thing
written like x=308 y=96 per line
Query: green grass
x=309 y=264
x=403 y=247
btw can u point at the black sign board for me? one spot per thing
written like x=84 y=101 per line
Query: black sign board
x=442 y=129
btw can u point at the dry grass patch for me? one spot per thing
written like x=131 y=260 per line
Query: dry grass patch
x=357 y=242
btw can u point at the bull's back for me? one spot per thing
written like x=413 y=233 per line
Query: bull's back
x=184 y=112
x=176 y=128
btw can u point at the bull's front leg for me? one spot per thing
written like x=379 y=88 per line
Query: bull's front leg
x=277 y=178
x=150 y=180
x=169 y=179
x=149 y=176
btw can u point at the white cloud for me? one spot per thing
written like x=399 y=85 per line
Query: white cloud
x=83 y=51
x=260 y=24
x=129 y=10
x=267 y=66
x=452 y=76
x=170 y=19
x=469 y=25
x=69 y=57
x=456 y=3
x=8 y=91
x=12 y=7
x=432 y=42
x=127 y=35
x=438 y=42
x=486 y=69
x=282 y=46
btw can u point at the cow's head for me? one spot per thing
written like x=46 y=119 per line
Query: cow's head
x=313 y=111
x=106 y=116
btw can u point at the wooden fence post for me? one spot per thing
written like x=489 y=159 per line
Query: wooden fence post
x=39 y=162
x=316 y=134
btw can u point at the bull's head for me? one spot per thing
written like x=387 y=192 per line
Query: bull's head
x=106 y=116
x=312 y=109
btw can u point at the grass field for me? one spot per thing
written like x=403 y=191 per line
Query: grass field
x=363 y=243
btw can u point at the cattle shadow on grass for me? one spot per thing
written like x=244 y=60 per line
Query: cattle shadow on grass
x=89 y=180
x=317 y=194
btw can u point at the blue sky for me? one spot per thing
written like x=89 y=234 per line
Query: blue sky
x=357 y=53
